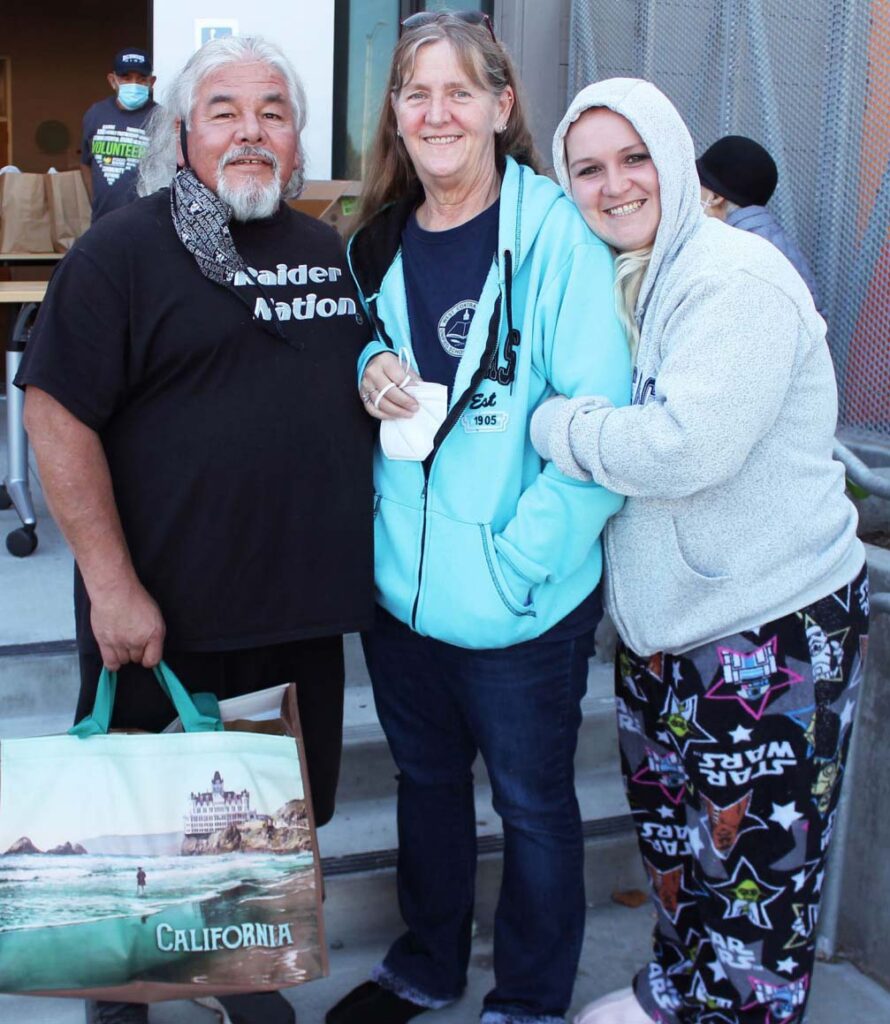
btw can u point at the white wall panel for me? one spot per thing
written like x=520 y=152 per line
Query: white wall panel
x=303 y=29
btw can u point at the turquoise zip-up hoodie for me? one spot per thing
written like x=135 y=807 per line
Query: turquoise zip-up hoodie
x=484 y=545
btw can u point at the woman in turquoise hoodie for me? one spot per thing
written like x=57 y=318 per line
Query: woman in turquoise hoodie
x=485 y=280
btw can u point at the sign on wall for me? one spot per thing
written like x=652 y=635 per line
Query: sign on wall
x=214 y=28
x=303 y=29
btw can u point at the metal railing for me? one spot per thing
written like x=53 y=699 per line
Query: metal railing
x=874 y=483
x=860 y=474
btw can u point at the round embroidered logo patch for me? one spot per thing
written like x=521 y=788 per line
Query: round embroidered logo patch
x=454 y=326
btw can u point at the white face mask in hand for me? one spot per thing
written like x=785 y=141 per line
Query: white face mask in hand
x=412 y=439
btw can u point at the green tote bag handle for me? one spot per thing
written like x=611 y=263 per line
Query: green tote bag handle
x=198 y=712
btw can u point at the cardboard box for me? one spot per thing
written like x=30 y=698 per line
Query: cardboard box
x=334 y=202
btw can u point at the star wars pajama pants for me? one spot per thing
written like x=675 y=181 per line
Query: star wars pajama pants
x=733 y=755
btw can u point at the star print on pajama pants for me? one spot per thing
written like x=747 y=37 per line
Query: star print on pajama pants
x=733 y=755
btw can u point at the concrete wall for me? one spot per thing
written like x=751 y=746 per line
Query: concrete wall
x=60 y=54
x=537 y=34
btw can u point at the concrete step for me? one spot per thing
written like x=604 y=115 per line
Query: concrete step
x=367 y=769
x=360 y=924
x=363 y=831
x=354 y=659
x=362 y=835
x=368 y=824
x=38 y=687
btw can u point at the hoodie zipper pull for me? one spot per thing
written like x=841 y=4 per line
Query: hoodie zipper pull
x=507 y=374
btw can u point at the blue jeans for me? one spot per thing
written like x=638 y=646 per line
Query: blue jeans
x=520 y=707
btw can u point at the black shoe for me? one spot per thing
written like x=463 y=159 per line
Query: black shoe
x=370 y=1003
x=258 y=1008
x=116 y=1013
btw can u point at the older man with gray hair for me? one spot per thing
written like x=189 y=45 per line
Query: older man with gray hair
x=191 y=402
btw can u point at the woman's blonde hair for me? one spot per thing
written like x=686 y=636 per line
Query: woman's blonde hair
x=630 y=270
x=390 y=175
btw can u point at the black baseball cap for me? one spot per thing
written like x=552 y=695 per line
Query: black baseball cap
x=739 y=169
x=131 y=59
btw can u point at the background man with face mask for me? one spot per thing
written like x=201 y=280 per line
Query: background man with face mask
x=114 y=138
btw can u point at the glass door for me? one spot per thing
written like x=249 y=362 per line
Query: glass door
x=365 y=32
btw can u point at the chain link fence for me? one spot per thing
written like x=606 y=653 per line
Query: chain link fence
x=811 y=82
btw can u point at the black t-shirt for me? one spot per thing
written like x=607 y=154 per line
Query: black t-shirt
x=114 y=141
x=241 y=462
x=444 y=273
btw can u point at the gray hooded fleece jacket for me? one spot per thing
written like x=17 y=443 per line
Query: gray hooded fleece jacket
x=736 y=512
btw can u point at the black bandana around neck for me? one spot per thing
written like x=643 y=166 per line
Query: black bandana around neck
x=201 y=220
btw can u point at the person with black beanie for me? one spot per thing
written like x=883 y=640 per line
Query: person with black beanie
x=738 y=177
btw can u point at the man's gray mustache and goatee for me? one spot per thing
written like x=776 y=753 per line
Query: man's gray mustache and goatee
x=250 y=199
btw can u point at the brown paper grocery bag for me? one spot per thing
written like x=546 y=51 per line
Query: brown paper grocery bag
x=69 y=208
x=24 y=214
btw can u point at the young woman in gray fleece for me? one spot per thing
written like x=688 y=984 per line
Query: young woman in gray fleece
x=734 y=574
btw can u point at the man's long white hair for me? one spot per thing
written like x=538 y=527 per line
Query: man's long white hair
x=158 y=165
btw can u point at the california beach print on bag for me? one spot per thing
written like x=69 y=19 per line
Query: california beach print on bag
x=157 y=866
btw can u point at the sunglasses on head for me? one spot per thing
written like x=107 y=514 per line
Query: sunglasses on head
x=430 y=17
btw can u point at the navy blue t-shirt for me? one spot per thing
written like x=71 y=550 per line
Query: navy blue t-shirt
x=114 y=141
x=444 y=274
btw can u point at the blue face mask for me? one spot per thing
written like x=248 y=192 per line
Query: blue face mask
x=131 y=95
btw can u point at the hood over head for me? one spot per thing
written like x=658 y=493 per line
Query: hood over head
x=670 y=145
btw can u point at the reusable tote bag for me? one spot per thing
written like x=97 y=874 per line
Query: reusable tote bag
x=141 y=867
